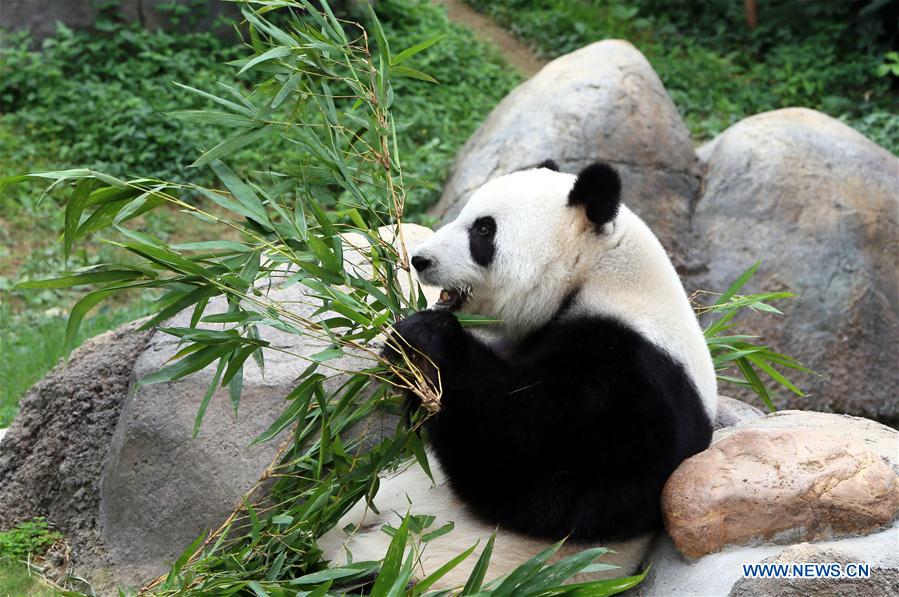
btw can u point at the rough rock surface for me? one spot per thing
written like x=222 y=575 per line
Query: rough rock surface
x=818 y=203
x=720 y=573
x=602 y=102
x=882 y=583
x=779 y=485
x=880 y=439
x=732 y=411
x=164 y=486
x=52 y=455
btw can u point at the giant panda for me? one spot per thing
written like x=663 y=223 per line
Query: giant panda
x=566 y=418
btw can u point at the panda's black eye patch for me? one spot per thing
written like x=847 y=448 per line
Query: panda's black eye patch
x=480 y=240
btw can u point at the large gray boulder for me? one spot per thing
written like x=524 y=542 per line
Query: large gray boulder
x=602 y=102
x=818 y=203
x=161 y=487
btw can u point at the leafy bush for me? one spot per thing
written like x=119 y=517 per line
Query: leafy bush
x=96 y=99
x=27 y=539
x=19 y=546
x=822 y=55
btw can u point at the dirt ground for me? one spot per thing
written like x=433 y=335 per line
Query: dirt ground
x=516 y=53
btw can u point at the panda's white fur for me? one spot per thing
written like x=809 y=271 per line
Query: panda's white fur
x=543 y=250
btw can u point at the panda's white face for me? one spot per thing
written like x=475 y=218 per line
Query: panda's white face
x=513 y=252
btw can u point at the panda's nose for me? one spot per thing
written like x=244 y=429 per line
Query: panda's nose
x=421 y=263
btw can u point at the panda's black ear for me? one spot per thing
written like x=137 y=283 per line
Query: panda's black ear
x=549 y=165
x=598 y=190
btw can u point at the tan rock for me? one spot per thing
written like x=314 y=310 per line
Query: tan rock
x=777 y=485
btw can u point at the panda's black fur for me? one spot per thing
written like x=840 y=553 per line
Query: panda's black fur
x=576 y=431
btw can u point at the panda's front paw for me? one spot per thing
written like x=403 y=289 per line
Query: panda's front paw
x=432 y=334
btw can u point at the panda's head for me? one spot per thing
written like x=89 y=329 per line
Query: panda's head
x=524 y=243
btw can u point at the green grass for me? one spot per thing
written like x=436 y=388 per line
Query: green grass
x=821 y=55
x=101 y=100
x=17 y=545
x=17 y=581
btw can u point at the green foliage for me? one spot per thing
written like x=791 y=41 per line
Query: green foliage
x=435 y=120
x=96 y=99
x=326 y=90
x=738 y=351
x=890 y=65
x=139 y=121
x=27 y=539
x=19 y=546
x=821 y=55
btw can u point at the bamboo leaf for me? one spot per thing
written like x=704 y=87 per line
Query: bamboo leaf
x=738 y=284
x=390 y=568
x=420 y=47
x=81 y=308
x=775 y=374
x=96 y=277
x=525 y=572
x=425 y=583
x=300 y=402
x=244 y=194
x=753 y=380
x=413 y=73
x=230 y=145
x=220 y=101
x=215 y=118
x=272 y=54
x=476 y=578
x=204 y=403
x=74 y=209
x=190 y=364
